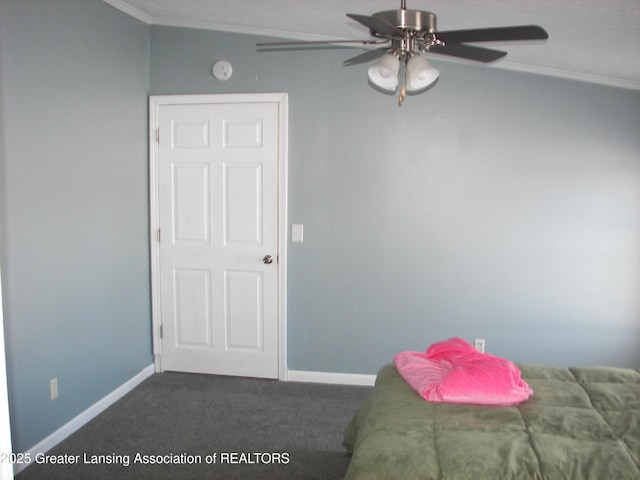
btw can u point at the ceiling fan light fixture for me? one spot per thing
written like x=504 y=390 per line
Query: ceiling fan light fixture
x=420 y=73
x=384 y=74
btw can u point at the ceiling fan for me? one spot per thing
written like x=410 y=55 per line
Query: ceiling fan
x=407 y=34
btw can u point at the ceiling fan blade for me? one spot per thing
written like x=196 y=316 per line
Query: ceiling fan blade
x=496 y=34
x=469 y=52
x=318 y=42
x=366 y=57
x=377 y=25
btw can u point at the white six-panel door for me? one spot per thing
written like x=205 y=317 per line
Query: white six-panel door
x=217 y=245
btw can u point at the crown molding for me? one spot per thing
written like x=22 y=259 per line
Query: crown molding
x=569 y=75
x=129 y=10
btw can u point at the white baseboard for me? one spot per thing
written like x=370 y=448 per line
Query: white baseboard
x=329 y=377
x=86 y=416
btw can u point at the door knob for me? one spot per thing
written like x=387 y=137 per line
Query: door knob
x=268 y=259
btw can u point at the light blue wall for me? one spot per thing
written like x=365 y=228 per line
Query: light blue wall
x=499 y=205
x=74 y=81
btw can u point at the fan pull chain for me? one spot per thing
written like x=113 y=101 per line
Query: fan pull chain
x=402 y=78
x=401 y=96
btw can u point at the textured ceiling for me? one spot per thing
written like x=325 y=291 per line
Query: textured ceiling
x=596 y=41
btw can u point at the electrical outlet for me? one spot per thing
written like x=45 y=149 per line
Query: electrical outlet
x=53 y=385
x=479 y=344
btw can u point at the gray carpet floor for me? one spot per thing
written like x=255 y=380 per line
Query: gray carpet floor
x=187 y=426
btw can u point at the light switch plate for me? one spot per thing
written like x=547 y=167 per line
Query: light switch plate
x=297 y=233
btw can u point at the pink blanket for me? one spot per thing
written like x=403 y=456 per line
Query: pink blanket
x=453 y=371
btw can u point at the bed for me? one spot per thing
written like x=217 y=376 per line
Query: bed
x=580 y=423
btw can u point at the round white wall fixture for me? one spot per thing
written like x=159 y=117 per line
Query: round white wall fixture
x=222 y=70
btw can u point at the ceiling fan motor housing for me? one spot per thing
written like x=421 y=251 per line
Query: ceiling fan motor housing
x=419 y=21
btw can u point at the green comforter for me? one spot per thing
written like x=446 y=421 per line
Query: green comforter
x=581 y=423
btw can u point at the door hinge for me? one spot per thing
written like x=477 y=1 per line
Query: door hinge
x=158 y=135
x=158 y=235
x=161 y=331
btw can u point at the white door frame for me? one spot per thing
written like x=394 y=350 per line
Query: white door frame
x=155 y=101
x=6 y=468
